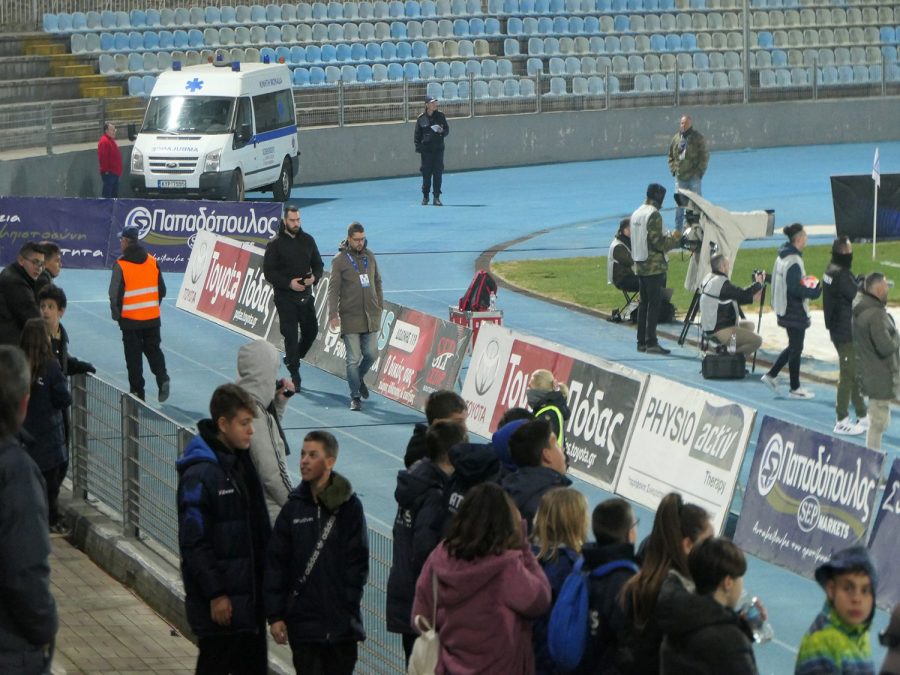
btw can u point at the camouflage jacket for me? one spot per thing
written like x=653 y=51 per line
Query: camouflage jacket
x=658 y=242
x=696 y=156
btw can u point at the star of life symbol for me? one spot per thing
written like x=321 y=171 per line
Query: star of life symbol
x=194 y=85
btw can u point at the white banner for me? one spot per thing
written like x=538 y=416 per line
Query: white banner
x=689 y=441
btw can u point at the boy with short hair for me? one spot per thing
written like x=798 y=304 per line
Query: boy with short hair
x=443 y=404
x=838 y=639
x=53 y=303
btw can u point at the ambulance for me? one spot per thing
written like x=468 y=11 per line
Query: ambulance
x=216 y=131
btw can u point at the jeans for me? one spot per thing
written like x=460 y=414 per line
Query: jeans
x=692 y=184
x=432 y=168
x=879 y=421
x=648 y=311
x=362 y=350
x=139 y=342
x=848 y=385
x=791 y=356
x=291 y=314
x=110 y=185
x=234 y=654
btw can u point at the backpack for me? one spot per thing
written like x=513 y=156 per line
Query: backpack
x=478 y=295
x=568 y=629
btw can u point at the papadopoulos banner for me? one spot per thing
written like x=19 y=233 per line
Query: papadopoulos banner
x=602 y=397
x=885 y=542
x=808 y=496
x=689 y=441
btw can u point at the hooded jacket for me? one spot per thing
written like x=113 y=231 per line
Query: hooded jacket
x=797 y=296
x=528 y=484
x=550 y=406
x=473 y=464
x=484 y=610
x=327 y=607
x=416 y=448
x=875 y=342
x=17 y=303
x=257 y=369
x=133 y=253
x=45 y=420
x=839 y=288
x=28 y=620
x=358 y=307
x=288 y=258
x=500 y=441
x=223 y=529
x=417 y=530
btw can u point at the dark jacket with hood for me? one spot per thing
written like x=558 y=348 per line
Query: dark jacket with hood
x=327 y=608
x=623 y=263
x=551 y=406
x=702 y=637
x=417 y=530
x=223 y=530
x=288 y=258
x=134 y=253
x=839 y=288
x=425 y=138
x=358 y=307
x=45 y=420
x=416 y=448
x=795 y=315
x=28 y=619
x=473 y=464
x=17 y=303
x=876 y=343
x=528 y=484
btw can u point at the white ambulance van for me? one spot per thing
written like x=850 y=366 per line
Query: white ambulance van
x=216 y=131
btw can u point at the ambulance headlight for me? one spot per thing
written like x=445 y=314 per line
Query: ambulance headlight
x=137 y=161
x=212 y=161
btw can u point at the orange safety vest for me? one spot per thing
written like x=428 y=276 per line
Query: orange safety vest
x=141 y=299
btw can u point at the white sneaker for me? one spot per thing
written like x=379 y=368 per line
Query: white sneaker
x=800 y=392
x=863 y=424
x=770 y=381
x=847 y=428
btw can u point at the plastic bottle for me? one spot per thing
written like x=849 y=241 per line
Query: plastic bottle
x=492 y=305
x=732 y=343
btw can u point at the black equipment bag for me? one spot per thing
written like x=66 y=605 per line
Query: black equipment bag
x=724 y=367
x=478 y=295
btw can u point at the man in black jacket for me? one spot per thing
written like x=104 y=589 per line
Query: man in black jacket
x=720 y=313
x=17 y=298
x=28 y=619
x=292 y=265
x=431 y=130
x=839 y=287
x=317 y=565
x=442 y=405
x=223 y=531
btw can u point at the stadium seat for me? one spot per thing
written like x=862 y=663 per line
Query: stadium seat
x=627 y=44
x=298 y=55
x=659 y=82
x=449 y=91
x=534 y=66
x=300 y=77
x=392 y=52
x=475 y=27
x=327 y=53
x=135 y=62
x=395 y=72
x=457 y=70
x=332 y=74
x=317 y=75
x=358 y=51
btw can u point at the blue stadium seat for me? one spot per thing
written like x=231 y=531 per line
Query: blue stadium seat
x=526 y=88
x=612 y=44
x=180 y=39
x=149 y=83
x=888 y=34
x=332 y=74
x=135 y=62
x=357 y=51
x=658 y=43
x=363 y=72
x=533 y=66
x=398 y=30
x=135 y=85
x=504 y=68
x=557 y=7
x=689 y=42
x=488 y=68
x=51 y=23
x=412 y=9
x=195 y=39
x=576 y=25
x=342 y=52
x=460 y=27
x=419 y=50
x=300 y=77
x=212 y=15
x=257 y=14
x=544 y=25
x=267 y=53
x=560 y=25
x=226 y=15
x=120 y=42
x=779 y=58
x=314 y=55
x=673 y=42
x=514 y=26
x=557 y=86
x=298 y=54
x=411 y=70
x=477 y=26
x=480 y=89
x=77 y=21
x=391 y=51
x=316 y=75
x=491 y=26
x=535 y=45
x=395 y=9
x=283 y=54
x=551 y=45
x=457 y=70
x=764 y=39
x=379 y=72
x=621 y=24
x=434 y=89
x=526 y=6
x=395 y=72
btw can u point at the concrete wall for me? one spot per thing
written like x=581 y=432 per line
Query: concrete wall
x=386 y=150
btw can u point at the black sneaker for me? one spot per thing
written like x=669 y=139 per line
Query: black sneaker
x=425 y=200
x=658 y=349
x=363 y=390
x=355 y=404
x=642 y=348
x=163 y=391
x=138 y=394
x=437 y=201
x=295 y=378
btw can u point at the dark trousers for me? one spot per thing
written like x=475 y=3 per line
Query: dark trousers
x=432 y=170
x=319 y=658
x=791 y=356
x=648 y=312
x=631 y=283
x=293 y=314
x=54 y=478
x=110 y=185
x=140 y=342
x=236 y=654
x=409 y=639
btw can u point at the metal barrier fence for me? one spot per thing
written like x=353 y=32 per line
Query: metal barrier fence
x=123 y=456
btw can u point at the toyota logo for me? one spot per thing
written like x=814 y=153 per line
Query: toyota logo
x=487 y=367
x=140 y=218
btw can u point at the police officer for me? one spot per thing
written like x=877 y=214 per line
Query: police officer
x=431 y=129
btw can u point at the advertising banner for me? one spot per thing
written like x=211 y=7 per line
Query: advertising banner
x=853 y=198
x=808 y=496
x=597 y=430
x=689 y=441
x=885 y=542
x=79 y=226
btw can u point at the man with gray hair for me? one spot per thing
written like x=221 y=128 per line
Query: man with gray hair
x=720 y=312
x=877 y=346
x=28 y=620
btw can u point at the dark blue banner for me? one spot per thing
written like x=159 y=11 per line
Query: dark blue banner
x=86 y=229
x=885 y=542
x=808 y=496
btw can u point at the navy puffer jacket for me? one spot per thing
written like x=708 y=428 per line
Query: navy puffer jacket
x=44 y=421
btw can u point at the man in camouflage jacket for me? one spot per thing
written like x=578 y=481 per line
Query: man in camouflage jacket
x=688 y=159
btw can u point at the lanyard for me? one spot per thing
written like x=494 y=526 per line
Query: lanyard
x=365 y=264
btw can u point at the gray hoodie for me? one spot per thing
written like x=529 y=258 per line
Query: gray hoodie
x=257 y=372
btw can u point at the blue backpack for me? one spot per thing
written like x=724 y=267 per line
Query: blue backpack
x=568 y=629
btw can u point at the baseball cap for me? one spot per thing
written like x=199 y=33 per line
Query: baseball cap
x=430 y=99
x=130 y=232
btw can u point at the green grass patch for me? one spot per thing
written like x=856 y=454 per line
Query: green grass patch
x=583 y=280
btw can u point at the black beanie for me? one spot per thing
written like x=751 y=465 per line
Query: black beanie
x=656 y=193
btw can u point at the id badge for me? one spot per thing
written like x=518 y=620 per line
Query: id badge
x=364 y=280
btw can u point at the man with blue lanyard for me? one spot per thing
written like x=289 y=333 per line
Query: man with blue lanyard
x=355 y=301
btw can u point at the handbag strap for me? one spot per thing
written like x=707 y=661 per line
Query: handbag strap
x=434 y=587
x=313 y=559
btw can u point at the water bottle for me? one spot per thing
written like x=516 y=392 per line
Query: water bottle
x=492 y=304
x=732 y=343
x=761 y=628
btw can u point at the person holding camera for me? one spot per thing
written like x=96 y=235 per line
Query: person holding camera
x=838 y=292
x=431 y=130
x=650 y=243
x=791 y=292
x=720 y=312
x=292 y=265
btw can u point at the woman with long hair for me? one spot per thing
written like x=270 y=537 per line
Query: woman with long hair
x=677 y=527
x=44 y=420
x=560 y=530
x=489 y=588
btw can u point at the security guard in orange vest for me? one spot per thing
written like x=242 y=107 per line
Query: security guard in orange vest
x=135 y=291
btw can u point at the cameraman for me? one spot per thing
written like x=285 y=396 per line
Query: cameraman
x=720 y=310
x=619 y=263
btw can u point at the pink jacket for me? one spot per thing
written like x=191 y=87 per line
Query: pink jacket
x=485 y=608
